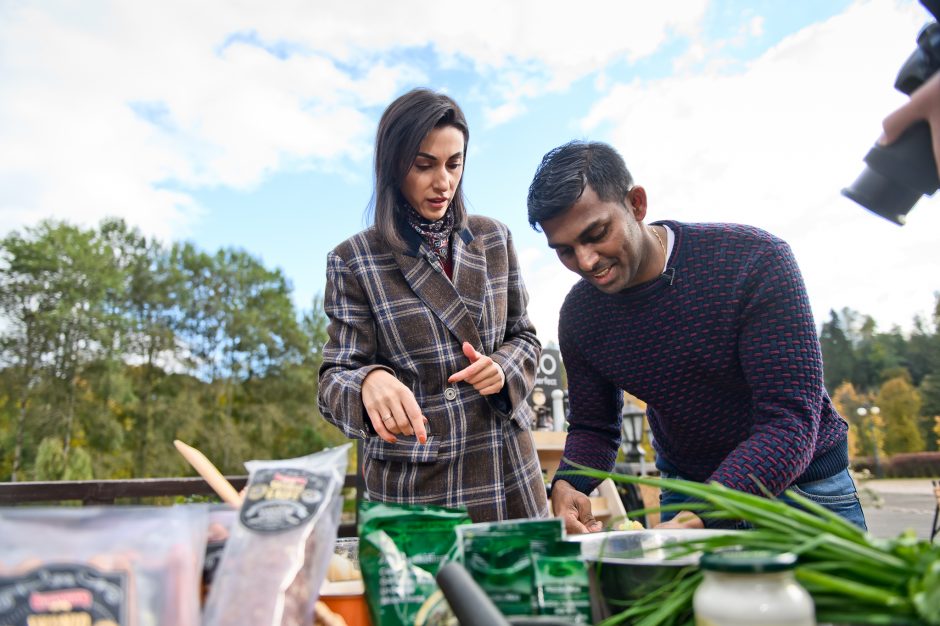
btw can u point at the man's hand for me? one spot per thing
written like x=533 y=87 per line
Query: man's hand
x=392 y=407
x=575 y=508
x=923 y=105
x=683 y=520
x=483 y=373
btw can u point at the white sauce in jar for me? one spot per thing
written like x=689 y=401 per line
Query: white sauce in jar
x=751 y=588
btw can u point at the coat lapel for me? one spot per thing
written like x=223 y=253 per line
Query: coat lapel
x=470 y=273
x=458 y=304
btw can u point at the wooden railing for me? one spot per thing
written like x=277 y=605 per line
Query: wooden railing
x=97 y=492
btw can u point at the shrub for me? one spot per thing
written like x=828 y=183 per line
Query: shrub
x=902 y=465
x=914 y=465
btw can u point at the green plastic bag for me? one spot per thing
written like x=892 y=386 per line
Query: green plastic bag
x=401 y=548
x=561 y=583
x=498 y=555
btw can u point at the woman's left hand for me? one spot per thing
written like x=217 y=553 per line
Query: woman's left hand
x=483 y=373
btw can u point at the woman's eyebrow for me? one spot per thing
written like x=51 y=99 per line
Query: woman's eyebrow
x=434 y=158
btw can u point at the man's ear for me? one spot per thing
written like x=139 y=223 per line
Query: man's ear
x=637 y=201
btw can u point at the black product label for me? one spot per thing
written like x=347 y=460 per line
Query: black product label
x=282 y=499
x=64 y=595
x=211 y=563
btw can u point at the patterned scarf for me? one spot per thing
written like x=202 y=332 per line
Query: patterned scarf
x=436 y=234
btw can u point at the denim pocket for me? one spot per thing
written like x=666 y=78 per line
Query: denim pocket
x=836 y=493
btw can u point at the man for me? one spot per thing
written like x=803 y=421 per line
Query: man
x=709 y=324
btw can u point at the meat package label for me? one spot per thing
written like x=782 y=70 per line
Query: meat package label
x=282 y=499
x=64 y=595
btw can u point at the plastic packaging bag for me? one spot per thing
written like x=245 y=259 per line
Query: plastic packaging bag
x=499 y=557
x=127 y=566
x=401 y=547
x=221 y=519
x=561 y=583
x=276 y=556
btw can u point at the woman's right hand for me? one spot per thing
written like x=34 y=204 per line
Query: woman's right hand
x=392 y=407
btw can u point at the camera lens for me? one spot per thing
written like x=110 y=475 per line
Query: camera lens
x=896 y=176
x=882 y=196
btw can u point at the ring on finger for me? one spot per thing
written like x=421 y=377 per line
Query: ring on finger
x=387 y=418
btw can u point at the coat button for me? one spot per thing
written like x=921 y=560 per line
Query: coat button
x=450 y=393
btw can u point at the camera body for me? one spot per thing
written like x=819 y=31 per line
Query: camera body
x=896 y=176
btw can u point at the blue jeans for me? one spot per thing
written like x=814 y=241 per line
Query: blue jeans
x=836 y=493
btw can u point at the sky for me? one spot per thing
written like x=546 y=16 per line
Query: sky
x=250 y=124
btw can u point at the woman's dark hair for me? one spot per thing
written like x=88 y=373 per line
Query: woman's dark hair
x=404 y=125
x=564 y=173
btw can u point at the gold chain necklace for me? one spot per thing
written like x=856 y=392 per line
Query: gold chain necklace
x=661 y=245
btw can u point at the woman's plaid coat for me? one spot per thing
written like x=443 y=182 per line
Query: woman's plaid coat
x=400 y=312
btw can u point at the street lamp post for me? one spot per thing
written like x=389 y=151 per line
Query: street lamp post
x=558 y=409
x=631 y=430
x=631 y=427
x=876 y=460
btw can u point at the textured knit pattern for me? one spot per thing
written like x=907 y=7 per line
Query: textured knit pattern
x=399 y=311
x=726 y=358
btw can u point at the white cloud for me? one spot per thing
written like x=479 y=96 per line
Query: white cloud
x=547 y=282
x=105 y=102
x=503 y=113
x=773 y=144
x=755 y=27
x=103 y=108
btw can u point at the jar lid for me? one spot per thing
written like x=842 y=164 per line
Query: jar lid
x=747 y=561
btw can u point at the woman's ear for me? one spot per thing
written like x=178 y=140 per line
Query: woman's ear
x=637 y=198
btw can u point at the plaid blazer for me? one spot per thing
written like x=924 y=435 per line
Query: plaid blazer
x=400 y=312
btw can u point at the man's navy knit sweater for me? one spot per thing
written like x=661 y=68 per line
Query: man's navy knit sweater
x=724 y=351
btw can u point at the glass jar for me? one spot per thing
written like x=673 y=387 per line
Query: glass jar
x=751 y=588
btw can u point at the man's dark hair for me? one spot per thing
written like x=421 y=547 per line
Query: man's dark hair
x=404 y=125
x=564 y=173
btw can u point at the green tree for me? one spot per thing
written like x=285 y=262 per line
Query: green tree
x=847 y=402
x=876 y=355
x=900 y=408
x=52 y=463
x=923 y=350
x=25 y=306
x=837 y=351
x=147 y=303
x=83 y=274
x=78 y=466
x=113 y=345
x=50 y=460
x=200 y=300
x=930 y=392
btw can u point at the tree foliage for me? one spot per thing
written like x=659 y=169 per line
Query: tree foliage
x=900 y=406
x=113 y=344
x=898 y=373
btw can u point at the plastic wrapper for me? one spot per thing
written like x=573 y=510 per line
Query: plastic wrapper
x=121 y=566
x=401 y=548
x=221 y=519
x=561 y=583
x=498 y=555
x=277 y=554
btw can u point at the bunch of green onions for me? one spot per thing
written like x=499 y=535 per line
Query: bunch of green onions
x=853 y=577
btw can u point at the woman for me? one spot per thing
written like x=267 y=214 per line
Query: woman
x=431 y=353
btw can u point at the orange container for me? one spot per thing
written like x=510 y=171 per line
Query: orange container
x=347 y=599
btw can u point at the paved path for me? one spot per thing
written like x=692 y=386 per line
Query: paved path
x=893 y=506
